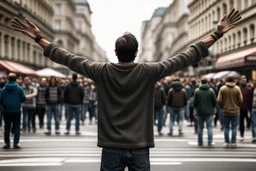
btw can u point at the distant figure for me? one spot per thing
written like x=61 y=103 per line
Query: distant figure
x=230 y=98
x=177 y=101
x=205 y=102
x=73 y=98
x=11 y=97
x=40 y=101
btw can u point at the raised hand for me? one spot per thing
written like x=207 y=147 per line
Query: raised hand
x=28 y=28
x=228 y=21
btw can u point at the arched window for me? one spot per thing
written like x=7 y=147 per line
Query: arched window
x=234 y=40
x=60 y=43
x=218 y=14
x=229 y=42
x=252 y=32
x=224 y=9
x=245 y=35
x=231 y=4
x=239 y=39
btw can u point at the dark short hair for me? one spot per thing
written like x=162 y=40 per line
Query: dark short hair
x=12 y=77
x=204 y=81
x=74 y=77
x=230 y=79
x=126 y=47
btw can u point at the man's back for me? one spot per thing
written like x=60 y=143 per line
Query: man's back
x=126 y=93
x=230 y=98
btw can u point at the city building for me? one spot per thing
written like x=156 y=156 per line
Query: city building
x=17 y=47
x=236 y=50
x=147 y=49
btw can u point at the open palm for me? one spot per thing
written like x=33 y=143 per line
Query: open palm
x=228 y=21
x=28 y=28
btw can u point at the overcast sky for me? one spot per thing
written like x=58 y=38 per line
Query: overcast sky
x=111 y=18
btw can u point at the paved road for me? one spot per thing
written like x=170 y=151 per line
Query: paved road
x=79 y=153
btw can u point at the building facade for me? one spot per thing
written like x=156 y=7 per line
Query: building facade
x=236 y=49
x=17 y=47
x=147 y=49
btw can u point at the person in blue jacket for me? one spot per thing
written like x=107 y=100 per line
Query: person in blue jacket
x=11 y=97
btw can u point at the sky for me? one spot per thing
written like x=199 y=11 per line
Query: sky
x=112 y=18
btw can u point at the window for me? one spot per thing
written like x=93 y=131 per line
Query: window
x=13 y=45
x=206 y=23
x=218 y=14
x=246 y=4
x=231 y=2
x=234 y=40
x=221 y=46
x=58 y=9
x=239 y=38
x=252 y=32
x=225 y=41
x=79 y=26
x=210 y=24
x=229 y=42
x=57 y=24
x=19 y=49
x=245 y=35
x=224 y=9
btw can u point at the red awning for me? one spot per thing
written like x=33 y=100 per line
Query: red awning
x=237 y=59
x=16 y=68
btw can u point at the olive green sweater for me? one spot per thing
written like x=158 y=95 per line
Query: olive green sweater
x=126 y=93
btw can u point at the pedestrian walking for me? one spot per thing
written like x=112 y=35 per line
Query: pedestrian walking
x=11 y=97
x=85 y=107
x=244 y=108
x=73 y=98
x=126 y=91
x=29 y=107
x=205 y=102
x=53 y=99
x=93 y=103
x=253 y=111
x=177 y=101
x=230 y=98
x=160 y=99
x=40 y=102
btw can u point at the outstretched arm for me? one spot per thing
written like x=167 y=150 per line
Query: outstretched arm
x=195 y=53
x=58 y=54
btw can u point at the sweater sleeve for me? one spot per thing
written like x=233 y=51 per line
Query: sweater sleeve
x=194 y=54
x=78 y=64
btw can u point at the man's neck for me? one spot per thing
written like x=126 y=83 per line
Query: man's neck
x=125 y=63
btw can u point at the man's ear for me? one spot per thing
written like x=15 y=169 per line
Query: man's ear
x=136 y=53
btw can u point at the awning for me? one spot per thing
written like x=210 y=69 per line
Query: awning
x=48 y=72
x=242 y=58
x=226 y=74
x=16 y=68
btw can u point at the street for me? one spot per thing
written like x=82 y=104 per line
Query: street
x=64 y=153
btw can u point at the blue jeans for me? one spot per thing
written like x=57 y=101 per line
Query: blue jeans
x=85 y=109
x=159 y=116
x=55 y=110
x=28 y=118
x=200 y=121
x=233 y=121
x=176 y=113
x=92 y=111
x=117 y=159
x=71 y=111
x=253 y=119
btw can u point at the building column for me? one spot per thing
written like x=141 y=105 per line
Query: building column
x=10 y=48
x=15 y=48
x=2 y=45
x=24 y=47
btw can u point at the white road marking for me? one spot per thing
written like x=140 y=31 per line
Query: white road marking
x=30 y=164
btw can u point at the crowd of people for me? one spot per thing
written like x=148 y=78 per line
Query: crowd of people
x=231 y=102
x=56 y=98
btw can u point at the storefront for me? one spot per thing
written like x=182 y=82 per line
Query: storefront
x=243 y=62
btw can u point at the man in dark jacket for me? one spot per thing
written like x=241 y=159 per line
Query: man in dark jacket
x=160 y=99
x=12 y=95
x=177 y=101
x=126 y=91
x=205 y=102
x=244 y=108
x=73 y=97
